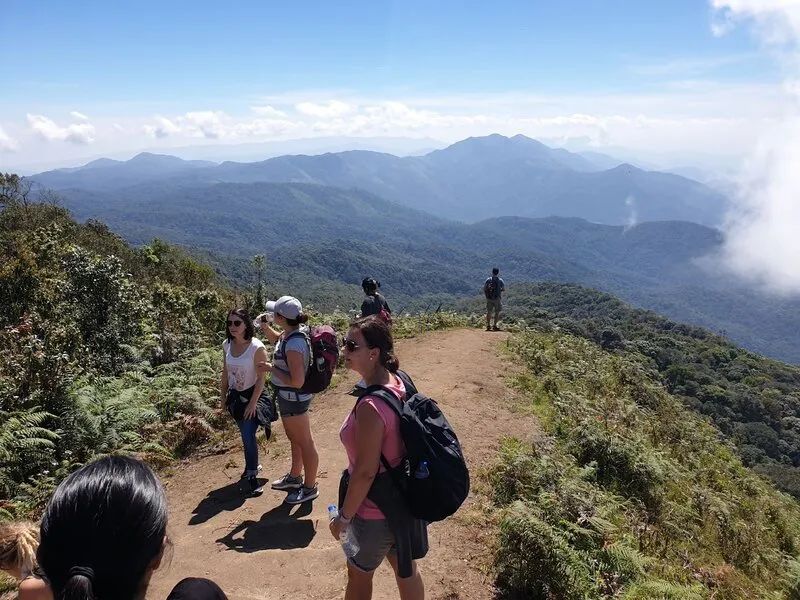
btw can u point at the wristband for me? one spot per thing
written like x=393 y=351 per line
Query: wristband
x=344 y=519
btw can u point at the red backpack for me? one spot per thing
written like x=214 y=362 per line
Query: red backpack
x=324 y=356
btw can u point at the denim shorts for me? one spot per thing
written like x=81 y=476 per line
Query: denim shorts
x=289 y=404
x=375 y=542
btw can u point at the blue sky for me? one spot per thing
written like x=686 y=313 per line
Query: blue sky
x=93 y=78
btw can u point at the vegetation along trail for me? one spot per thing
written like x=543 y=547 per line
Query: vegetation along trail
x=262 y=548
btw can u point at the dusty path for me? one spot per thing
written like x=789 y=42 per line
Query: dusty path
x=259 y=548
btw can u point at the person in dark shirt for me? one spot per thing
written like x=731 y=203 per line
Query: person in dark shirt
x=493 y=289
x=374 y=303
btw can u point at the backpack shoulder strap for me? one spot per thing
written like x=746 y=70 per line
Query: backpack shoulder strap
x=411 y=389
x=385 y=395
x=307 y=336
x=390 y=399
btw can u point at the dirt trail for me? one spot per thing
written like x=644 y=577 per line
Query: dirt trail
x=261 y=548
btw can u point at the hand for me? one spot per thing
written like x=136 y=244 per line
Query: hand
x=263 y=367
x=250 y=411
x=337 y=527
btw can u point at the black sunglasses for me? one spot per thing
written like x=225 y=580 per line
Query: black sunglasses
x=234 y=323
x=349 y=345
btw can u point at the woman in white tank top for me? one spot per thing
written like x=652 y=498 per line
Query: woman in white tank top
x=242 y=383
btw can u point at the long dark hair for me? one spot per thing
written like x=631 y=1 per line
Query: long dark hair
x=249 y=330
x=103 y=527
x=378 y=335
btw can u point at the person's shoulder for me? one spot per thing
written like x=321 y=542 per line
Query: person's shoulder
x=257 y=342
x=297 y=341
x=33 y=588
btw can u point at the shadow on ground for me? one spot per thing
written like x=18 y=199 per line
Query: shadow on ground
x=278 y=529
x=227 y=498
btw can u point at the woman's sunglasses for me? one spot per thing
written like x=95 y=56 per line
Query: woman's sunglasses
x=349 y=345
x=234 y=323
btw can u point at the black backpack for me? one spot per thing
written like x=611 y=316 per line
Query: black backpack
x=490 y=287
x=429 y=439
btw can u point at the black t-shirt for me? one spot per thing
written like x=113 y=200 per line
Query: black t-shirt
x=372 y=305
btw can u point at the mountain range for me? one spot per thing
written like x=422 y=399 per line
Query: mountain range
x=322 y=233
x=471 y=180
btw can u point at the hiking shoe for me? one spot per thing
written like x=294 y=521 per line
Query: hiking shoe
x=254 y=487
x=495 y=328
x=304 y=494
x=245 y=475
x=287 y=482
x=488 y=329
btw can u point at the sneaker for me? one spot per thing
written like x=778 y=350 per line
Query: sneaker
x=287 y=482
x=245 y=475
x=488 y=329
x=495 y=328
x=255 y=488
x=304 y=494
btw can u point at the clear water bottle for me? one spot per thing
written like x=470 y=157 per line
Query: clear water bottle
x=422 y=471
x=348 y=537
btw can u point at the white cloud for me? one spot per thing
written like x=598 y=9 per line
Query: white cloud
x=199 y=124
x=48 y=130
x=209 y=124
x=333 y=108
x=78 y=116
x=268 y=111
x=762 y=244
x=7 y=143
x=163 y=128
x=684 y=115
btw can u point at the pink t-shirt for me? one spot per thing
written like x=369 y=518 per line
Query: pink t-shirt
x=393 y=448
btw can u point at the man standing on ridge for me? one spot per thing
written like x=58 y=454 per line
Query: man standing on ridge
x=493 y=289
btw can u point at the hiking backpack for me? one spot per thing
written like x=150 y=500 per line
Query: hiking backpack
x=386 y=316
x=490 y=287
x=384 y=313
x=324 y=354
x=437 y=489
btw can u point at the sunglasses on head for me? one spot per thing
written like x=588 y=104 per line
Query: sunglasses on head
x=350 y=345
x=234 y=323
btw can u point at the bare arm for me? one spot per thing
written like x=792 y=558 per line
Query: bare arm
x=369 y=441
x=295 y=377
x=271 y=334
x=223 y=384
x=259 y=358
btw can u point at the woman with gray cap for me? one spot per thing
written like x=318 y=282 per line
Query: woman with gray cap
x=288 y=368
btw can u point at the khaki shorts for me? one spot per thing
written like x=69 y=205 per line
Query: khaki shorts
x=494 y=304
x=375 y=541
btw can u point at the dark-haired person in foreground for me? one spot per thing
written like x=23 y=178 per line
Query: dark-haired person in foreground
x=290 y=362
x=104 y=531
x=241 y=385
x=196 y=588
x=370 y=430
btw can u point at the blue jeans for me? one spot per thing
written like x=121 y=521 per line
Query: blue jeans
x=248 y=430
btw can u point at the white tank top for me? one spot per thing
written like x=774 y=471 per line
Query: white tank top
x=242 y=373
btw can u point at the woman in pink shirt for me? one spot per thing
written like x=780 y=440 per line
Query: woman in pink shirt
x=372 y=430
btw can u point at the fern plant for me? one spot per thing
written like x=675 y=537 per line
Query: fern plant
x=24 y=445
